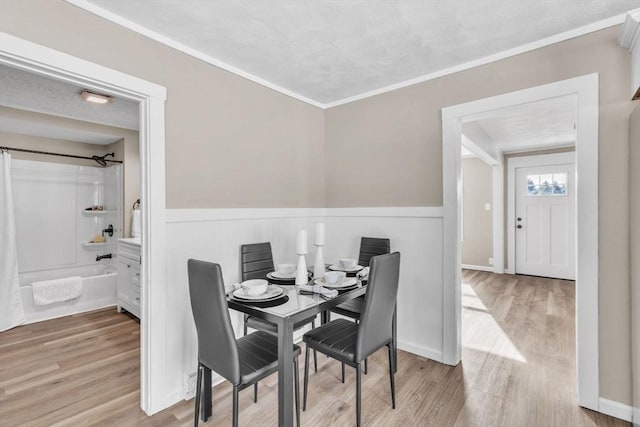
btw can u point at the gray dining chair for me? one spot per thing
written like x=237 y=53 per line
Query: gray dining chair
x=243 y=361
x=369 y=247
x=352 y=343
x=256 y=262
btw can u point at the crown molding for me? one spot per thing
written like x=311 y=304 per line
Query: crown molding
x=153 y=35
x=117 y=19
x=576 y=32
x=630 y=30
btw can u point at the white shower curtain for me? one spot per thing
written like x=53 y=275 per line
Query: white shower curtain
x=11 y=310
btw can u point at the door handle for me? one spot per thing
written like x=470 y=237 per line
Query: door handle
x=518 y=226
x=519 y=219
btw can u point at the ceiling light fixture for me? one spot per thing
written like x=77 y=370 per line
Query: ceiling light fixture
x=96 y=98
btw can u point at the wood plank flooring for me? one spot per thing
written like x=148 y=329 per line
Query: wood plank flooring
x=518 y=369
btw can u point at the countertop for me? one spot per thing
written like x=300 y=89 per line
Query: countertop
x=130 y=240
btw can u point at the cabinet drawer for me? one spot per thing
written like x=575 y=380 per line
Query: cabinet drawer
x=129 y=251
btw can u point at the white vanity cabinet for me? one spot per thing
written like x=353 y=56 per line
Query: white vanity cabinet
x=129 y=276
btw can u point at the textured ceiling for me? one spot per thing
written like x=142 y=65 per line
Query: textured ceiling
x=32 y=92
x=329 y=50
x=542 y=124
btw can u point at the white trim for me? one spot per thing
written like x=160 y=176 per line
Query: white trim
x=428 y=353
x=498 y=218
x=576 y=32
x=616 y=409
x=153 y=35
x=404 y=212
x=200 y=215
x=48 y=62
x=514 y=163
x=477 y=267
x=586 y=90
x=630 y=32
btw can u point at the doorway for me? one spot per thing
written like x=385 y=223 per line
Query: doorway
x=28 y=56
x=585 y=90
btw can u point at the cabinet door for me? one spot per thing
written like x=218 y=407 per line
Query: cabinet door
x=124 y=271
x=134 y=284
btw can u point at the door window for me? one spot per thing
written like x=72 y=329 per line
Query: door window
x=548 y=184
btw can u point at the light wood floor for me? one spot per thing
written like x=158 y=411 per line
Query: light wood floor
x=518 y=369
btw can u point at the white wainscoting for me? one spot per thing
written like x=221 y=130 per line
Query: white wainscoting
x=216 y=235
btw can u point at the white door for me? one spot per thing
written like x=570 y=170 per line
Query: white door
x=545 y=221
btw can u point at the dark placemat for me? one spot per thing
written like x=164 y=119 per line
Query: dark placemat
x=350 y=288
x=265 y=304
x=284 y=282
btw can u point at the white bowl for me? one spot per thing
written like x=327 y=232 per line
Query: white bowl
x=254 y=287
x=285 y=268
x=348 y=262
x=334 y=277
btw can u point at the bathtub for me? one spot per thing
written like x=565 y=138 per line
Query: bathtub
x=98 y=291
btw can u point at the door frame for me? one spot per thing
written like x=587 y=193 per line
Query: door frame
x=35 y=58
x=585 y=88
x=514 y=163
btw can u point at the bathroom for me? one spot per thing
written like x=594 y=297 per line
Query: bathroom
x=74 y=174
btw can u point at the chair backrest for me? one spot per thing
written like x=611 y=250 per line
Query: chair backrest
x=217 y=346
x=374 y=329
x=256 y=260
x=372 y=246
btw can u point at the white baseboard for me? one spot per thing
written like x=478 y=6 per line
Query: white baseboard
x=616 y=409
x=428 y=353
x=477 y=267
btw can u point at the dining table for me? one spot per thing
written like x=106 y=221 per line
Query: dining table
x=292 y=308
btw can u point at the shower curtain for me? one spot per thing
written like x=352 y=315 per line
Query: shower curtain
x=11 y=311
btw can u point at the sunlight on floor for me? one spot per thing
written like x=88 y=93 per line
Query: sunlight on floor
x=481 y=332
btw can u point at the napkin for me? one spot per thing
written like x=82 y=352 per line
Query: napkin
x=363 y=274
x=317 y=289
x=230 y=288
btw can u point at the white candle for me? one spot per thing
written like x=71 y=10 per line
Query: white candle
x=301 y=243
x=320 y=234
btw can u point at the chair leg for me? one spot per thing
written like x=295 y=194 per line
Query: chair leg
x=343 y=373
x=306 y=377
x=315 y=353
x=245 y=325
x=255 y=393
x=296 y=387
x=392 y=375
x=198 y=395
x=366 y=366
x=358 y=395
x=235 y=406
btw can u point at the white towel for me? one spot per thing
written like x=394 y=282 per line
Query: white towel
x=135 y=223
x=363 y=274
x=317 y=289
x=58 y=290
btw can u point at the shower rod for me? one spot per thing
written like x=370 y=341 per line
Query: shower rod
x=101 y=160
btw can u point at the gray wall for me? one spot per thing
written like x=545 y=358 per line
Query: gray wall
x=477 y=244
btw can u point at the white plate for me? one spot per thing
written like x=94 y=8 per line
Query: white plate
x=338 y=267
x=271 y=293
x=344 y=283
x=277 y=275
